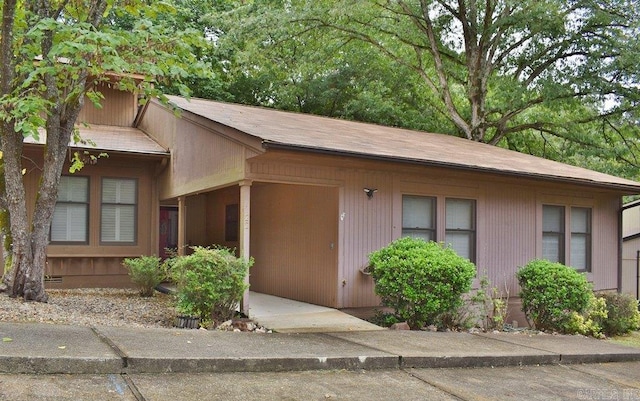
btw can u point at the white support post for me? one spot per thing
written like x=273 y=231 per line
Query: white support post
x=245 y=235
x=182 y=225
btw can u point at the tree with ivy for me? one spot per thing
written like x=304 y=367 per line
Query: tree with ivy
x=54 y=55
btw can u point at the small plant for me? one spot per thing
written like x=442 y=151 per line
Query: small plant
x=420 y=280
x=588 y=323
x=490 y=304
x=622 y=313
x=210 y=283
x=551 y=292
x=146 y=273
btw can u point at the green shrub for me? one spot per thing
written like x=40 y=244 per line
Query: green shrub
x=210 y=283
x=550 y=292
x=588 y=323
x=622 y=314
x=421 y=281
x=146 y=273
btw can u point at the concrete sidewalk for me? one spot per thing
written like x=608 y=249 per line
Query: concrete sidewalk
x=47 y=349
x=288 y=316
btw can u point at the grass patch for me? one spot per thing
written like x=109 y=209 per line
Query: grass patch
x=632 y=339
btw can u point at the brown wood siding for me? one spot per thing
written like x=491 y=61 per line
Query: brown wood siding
x=196 y=224
x=200 y=160
x=101 y=265
x=366 y=226
x=507 y=234
x=509 y=215
x=606 y=242
x=294 y=240
x=119 y=108
x=217 y=202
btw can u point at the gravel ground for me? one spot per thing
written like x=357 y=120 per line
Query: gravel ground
x=92 y=307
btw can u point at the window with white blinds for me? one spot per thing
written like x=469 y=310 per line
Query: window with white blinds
x=460 y=233
x=581 y=238
x=70 y=223
x=419 y=217
x=555 y=241
x=119 y=210
x=553 y=233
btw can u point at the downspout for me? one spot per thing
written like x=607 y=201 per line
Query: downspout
x=637 y=274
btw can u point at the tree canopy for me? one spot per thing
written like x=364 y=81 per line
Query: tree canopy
x=54 y=54
x=553 y=78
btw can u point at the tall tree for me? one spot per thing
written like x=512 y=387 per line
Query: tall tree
x=54 y=54
x=539 y=76
x=490 y=63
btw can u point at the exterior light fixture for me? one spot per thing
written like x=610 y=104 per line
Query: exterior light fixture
x=370 y=192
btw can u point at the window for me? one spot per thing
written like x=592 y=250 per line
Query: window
x=419 y=221
x=553 y=233
x=418 y=217
x=460 y=230
x=554 y=241
x=581 y=238
x=70 y=221
x=119 y=210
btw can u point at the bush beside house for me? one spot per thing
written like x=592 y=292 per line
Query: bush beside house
x=210 y=283
x=421 y=281
x=146 y=273
x=557 y=298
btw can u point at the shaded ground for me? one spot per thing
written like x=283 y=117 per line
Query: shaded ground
x=91 y=307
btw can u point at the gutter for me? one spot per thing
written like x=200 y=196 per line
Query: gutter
x=267 y=144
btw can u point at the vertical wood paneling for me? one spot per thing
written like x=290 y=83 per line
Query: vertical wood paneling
x=507 y=234
x=294 y=231
x=119 y=108
x=196 y=224
x=216 y=209
x=200 y=159
x=367 y=226
x=605 y=241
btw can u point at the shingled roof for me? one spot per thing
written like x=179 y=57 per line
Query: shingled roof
x=110 y=138
x=304 y=132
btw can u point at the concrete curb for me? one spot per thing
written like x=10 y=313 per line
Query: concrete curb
x=274 y=364
x=60 y=365
x=475 y=361
x=57 y=349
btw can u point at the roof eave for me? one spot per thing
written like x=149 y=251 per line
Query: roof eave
x=159 y=155
x=625 y=189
